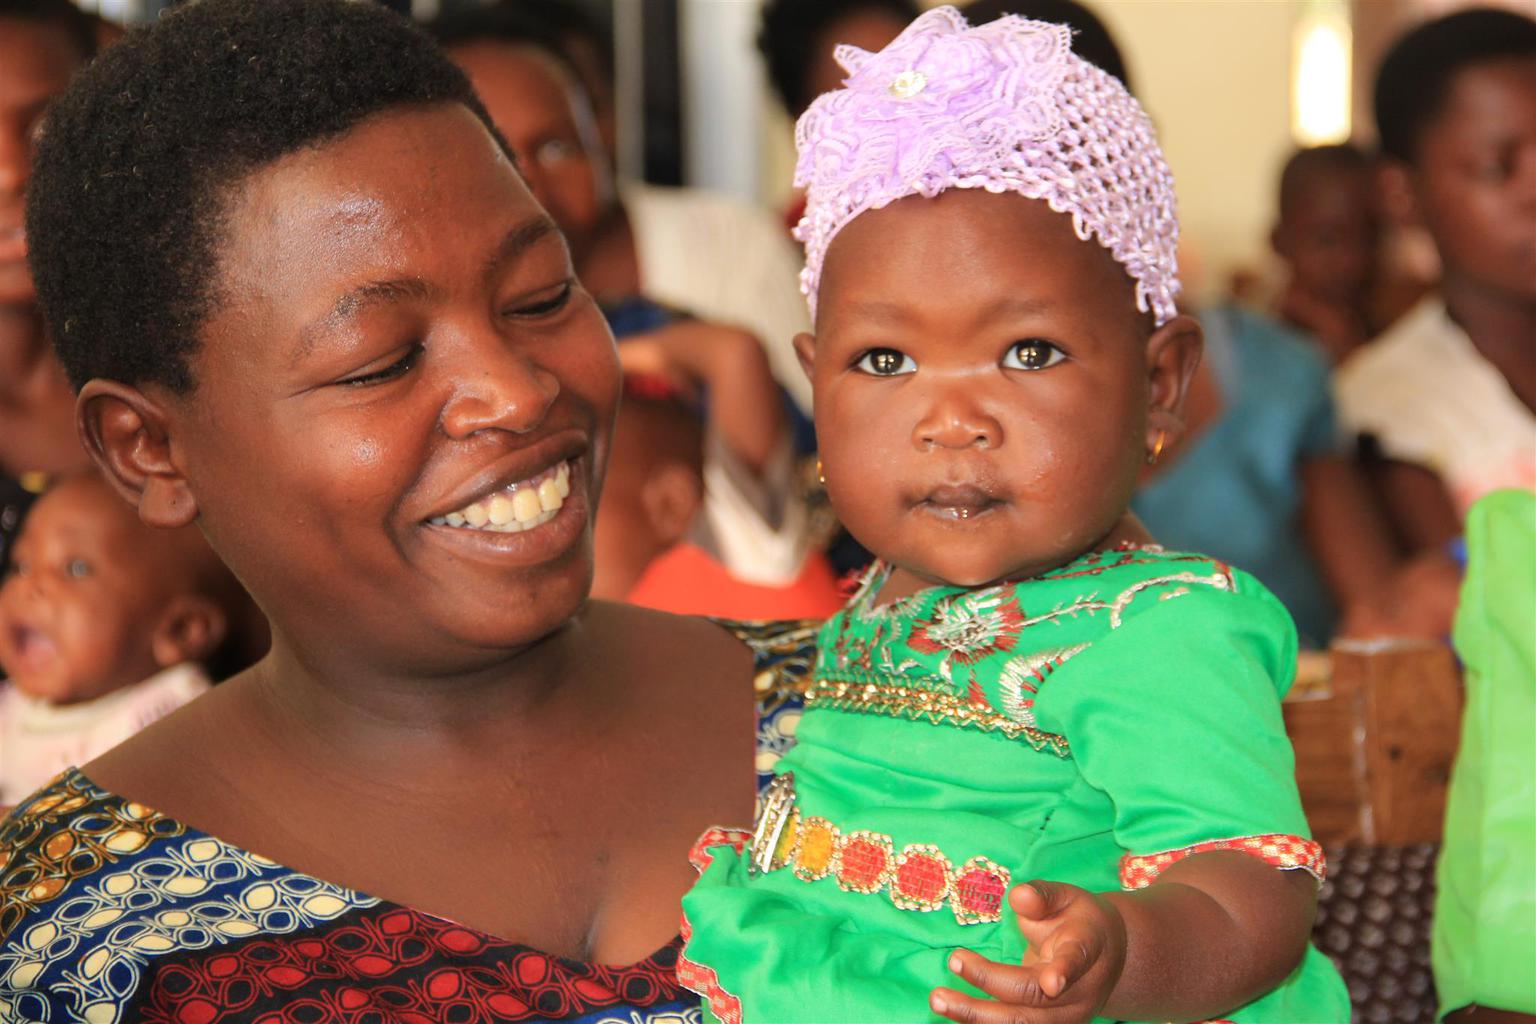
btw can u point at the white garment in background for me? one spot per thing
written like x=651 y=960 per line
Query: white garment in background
x=1430 y=398
x=723 y=260
x=39 y=740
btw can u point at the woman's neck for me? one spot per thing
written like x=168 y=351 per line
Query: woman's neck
x=371 y=719
x=1500 y=326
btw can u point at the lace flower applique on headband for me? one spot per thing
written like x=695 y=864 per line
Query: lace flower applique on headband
x=1005 y=106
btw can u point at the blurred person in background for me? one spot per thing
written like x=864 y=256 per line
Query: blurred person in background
x=1090 y=36
x=1327 y=233
x=106 y=625
x=1446 y=396
x=42 y=44
x=645 y=547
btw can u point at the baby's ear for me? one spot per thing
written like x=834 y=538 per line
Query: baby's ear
x=1394 y=188
x=190 y=629
x=126 y=433
x=1173 y=353
x=672 y=496
x=805 y=350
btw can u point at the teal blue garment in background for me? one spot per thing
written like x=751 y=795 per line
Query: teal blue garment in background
x=1235 y=492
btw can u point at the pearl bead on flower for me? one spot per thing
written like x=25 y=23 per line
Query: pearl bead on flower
x=908 y=84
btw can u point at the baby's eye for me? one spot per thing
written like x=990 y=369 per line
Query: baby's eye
x=77 y=569
x=886 y=362
x=1032 y=354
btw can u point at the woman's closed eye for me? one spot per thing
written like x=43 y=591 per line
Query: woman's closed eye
x=885 y=362
x=398 y=368
x=1032 y=354
x=546 y=305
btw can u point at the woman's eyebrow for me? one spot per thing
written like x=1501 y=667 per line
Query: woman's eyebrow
x=356 y=300
x=519 y=240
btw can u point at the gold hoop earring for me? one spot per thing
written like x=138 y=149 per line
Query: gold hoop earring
x=821 y=477
x=1157 y=449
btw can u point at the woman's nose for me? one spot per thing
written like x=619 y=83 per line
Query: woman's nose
x=956 y=416
x=497 y=387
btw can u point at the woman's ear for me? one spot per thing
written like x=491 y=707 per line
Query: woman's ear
x=805 y=350
x=1173 y=353
x=127 y=434
x=190 y=629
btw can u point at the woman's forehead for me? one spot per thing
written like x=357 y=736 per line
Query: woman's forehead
x=421 y=186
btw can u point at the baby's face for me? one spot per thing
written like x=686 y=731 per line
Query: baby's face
x=1329 y=234
x=981 y=385
x=77 y=609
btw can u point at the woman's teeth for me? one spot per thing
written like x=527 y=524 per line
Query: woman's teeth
x=517 y=507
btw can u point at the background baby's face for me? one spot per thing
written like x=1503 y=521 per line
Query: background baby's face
x=78 y=607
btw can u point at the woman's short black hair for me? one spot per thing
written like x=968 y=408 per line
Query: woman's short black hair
x=138 y=160
x=790 y=31
x=1416 y=75
x=62 y=14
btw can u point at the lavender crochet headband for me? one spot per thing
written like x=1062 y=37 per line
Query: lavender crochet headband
x=1007 y=107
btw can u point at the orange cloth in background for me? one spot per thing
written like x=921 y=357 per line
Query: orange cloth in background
x=687 y=581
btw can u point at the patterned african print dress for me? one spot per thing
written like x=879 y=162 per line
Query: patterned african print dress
x=111 y=912
x=1092 y=725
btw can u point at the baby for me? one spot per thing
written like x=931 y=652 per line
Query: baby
x=1024 y=687
x=103 y=622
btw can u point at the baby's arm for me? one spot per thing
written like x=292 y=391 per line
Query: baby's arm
x=744 y=402
x=1214 y=931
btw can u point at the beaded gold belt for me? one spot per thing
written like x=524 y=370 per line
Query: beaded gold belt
x=920 y=877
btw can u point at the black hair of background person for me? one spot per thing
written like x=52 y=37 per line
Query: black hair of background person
x=1416 y=75
x=514 y=22
x=1090 y=37
x=500 y=23
x=161 y=127
x=62 y=13
x=1306 y=163
x=788 y=33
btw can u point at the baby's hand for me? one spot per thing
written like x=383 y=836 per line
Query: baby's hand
x=1075 y=956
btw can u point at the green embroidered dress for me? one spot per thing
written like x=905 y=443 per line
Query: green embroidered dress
x=1091 y=725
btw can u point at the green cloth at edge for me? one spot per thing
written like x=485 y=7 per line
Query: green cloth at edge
x=1484 y=944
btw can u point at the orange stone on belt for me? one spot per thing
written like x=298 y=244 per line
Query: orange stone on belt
x=922 y=879
x=864 y=862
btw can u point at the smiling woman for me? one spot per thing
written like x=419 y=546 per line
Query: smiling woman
x=312 y=306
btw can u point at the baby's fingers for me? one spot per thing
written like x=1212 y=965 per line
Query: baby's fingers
x=1007 y=983
x=946 y=1002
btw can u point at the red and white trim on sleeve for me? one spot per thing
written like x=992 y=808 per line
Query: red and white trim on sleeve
x=696 y=977
x=1288 y=853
